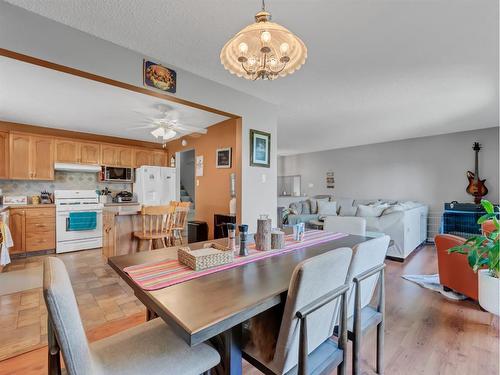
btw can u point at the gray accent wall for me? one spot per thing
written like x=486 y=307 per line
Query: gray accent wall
x=429 y=169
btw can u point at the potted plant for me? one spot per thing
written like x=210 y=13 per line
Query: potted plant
x=483 y=257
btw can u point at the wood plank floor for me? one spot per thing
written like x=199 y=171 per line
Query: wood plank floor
x=425 y=333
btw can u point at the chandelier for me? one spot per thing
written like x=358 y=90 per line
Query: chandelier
x=263 y=50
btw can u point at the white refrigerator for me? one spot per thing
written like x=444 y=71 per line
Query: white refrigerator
x=155 y=185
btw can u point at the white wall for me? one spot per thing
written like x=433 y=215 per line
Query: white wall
x=37 y=36
x=428 y=169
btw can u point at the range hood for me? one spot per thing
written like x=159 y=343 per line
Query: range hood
x=69 y=167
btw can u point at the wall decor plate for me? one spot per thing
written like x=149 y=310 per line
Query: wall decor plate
x=159 y=76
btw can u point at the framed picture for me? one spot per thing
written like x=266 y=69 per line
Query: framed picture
x=223 y=158
x=260 y=149
x=330 y=180
x=159 y=77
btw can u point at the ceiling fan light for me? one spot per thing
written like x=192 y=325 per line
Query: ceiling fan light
x=168 y=134
x=157 y=133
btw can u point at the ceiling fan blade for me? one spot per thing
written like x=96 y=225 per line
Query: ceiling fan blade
x=191 y=128
x=150 y=126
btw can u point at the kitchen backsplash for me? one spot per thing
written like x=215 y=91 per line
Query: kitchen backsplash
x=63 y=181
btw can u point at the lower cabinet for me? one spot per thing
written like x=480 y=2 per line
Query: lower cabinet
x=33 y=229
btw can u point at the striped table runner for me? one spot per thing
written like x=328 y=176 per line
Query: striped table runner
x=157 y=275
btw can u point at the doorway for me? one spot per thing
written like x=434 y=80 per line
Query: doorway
x=186 y=181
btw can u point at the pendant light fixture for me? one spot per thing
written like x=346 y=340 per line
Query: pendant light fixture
x=263 y=50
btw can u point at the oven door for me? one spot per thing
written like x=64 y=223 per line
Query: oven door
x=64 y=234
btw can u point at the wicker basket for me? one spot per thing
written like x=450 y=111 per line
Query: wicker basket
x=211 y=255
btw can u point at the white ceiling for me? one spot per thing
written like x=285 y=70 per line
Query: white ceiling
x=377 y=70
x=30 y=94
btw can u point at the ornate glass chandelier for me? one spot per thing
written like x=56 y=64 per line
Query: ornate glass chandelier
x=263 y=50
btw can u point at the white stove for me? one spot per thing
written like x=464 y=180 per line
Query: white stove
x=69 y=238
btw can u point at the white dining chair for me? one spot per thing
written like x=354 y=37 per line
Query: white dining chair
x=367 y=270
x=345 y=224
x=149 y=348
x=316 y=295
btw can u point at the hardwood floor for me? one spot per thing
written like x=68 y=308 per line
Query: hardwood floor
x=425 y=333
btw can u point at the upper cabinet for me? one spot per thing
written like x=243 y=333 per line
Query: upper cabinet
x=19 y=150
x=117 y=156
x=68 y=151
x=4 y=155
x=142 y=157
x=90 y=153
x=31 y=157
x=159 y=158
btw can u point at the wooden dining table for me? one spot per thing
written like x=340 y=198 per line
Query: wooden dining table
x=213 y=307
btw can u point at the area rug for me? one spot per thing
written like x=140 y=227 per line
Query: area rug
x=17 y=281
x=432 y=282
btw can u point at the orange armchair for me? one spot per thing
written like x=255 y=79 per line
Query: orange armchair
x=454 y=270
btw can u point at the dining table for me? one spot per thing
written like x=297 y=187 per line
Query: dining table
x=213 y=307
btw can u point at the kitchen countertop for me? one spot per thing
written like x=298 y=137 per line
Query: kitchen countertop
x=26 y=206
x=123 y=210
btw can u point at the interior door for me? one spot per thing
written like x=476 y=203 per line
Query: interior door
x=89 y=153
x=66 y=151
x=42 y=158
x=19 y=149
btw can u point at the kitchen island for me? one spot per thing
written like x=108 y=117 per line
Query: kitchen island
x=119 y=223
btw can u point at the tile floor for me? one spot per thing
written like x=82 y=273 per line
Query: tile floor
x=101 y=295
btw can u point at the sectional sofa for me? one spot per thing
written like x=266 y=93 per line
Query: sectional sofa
x=404 y=221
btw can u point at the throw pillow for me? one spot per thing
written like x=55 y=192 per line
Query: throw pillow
x=314 y=204
x=371 y=211
x=306 y=207
x=327 y=208
x=348 y=210
x=296 y=208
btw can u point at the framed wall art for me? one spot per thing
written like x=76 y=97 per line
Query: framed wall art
x=223 y=158
x=260 y=149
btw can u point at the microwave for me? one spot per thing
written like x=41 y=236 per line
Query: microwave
x=118 y=174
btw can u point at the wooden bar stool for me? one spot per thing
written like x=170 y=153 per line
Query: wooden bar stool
x=156 y=224
x=179 y=220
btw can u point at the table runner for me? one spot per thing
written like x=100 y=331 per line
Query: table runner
x=158 y=275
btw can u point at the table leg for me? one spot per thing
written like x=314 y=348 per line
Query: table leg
x=228 y=344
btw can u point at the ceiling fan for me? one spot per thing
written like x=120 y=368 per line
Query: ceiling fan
x=165 y=127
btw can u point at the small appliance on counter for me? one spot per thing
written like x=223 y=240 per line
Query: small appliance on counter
x=124 y=197
x=46 y=197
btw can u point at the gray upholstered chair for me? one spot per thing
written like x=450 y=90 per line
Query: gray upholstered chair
x=150 y=348
x=316 y=295
x=365 y=273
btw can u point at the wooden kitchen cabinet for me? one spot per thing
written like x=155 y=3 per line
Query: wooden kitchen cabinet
x=17 y=226
x=31 y=157
x=117 y=156
x=90 y=153
x=32 y=229
x=143 y=157
x=42 y=158
x=4 y=155
x=159 y=158
x=19 y=150
x=66 y=151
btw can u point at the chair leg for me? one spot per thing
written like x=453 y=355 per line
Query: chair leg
x=150 y=245
x=380 y=348
x=54 y=357
x=138 y=245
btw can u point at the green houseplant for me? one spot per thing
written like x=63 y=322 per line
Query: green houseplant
x=483 y=256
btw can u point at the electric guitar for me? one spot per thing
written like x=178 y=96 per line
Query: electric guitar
x=476 y=187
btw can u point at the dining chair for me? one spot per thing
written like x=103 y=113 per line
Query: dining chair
x=156 y=221
x=316 y=295
x=366 y=272
x=179 y=221
x=149 y=348
x=345 y=224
